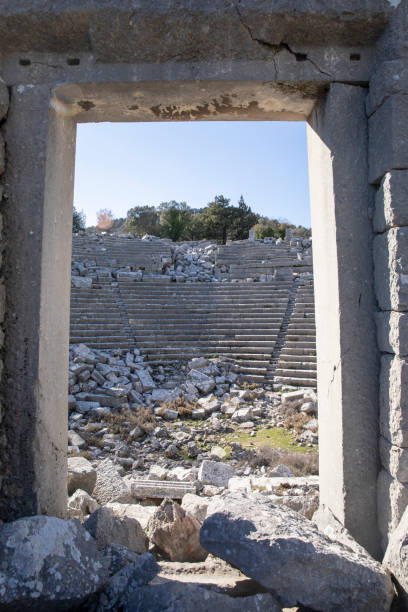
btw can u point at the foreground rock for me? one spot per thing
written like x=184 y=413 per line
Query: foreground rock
x=182 y=597
x=112 y=523
x=289 y=556
x=80 y=505
x=396 y=557
x=124 y=583
x=48 y=563
x=176 y=533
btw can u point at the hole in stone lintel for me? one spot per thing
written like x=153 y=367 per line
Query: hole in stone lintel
x=73 y=61
x=24 y=61
x=355 y=57
x=301 y=57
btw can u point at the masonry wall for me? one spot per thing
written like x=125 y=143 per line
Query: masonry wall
x=387 y=108
x=4 y=102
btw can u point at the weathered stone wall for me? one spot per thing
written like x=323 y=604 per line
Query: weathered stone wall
x=4 y=102
x=387 y=108
x=82 y=62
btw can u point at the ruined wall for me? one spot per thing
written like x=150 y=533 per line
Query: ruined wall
x=387 y=108
x=4 y=102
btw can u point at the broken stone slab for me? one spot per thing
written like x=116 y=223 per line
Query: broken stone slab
x=81 y=504
x=48 y=563
x=171 y=596
x=160 y=396
x=294 y=399
x=204 y=383
x=84 y=354
x=118 y=594
x=215 y=473
x=81 y=475
x=176 y=533
x=116 y=523
x=81 y=282
x=396 y=556
x=141 y=489
x=110 y=486
x=287 y=554
x=136 y=276
x=146 y=380
x=195 y=505
x=75 y=439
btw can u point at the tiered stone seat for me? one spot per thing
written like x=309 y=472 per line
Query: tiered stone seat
x=297 y=361
x=251 y=259
x=181 y=321
x=96 y=319
x=108 y=251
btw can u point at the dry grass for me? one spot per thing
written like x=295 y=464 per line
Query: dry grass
x=124 y=421
x=183 y=407
x=250 y=386
x=301 y=464
x=297 y=421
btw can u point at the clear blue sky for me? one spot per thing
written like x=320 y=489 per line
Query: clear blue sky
x=120 y=165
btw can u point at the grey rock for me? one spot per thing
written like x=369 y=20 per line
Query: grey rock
x=81 y=475
x=110 y=486
x=48 y=563
x=204 y=383
x=195 y=505
x=82 y=282
x=181 y=597
x=176 y=533
x=80 y=504
x=146 y=380
x=118 y=594
x=287 y=554
x=396 y=555
x=215 y=473
x=115 y=523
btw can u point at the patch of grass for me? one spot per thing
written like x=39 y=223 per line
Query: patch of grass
x=180 y=404
x=275 y=437
x=301 y=464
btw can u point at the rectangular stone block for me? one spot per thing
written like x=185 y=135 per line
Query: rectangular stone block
x=392 y=499
x=395 y=460
x=391 y=269
x=392 y=332
x=388 y=137
x=389 y=79
x=391 y=202
x=394 y=400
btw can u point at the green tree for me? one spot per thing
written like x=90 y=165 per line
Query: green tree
x=174 y=219
x=270 y=228
x=242 y=220
x=78 y=220
x=216 y=218
x=143 y=220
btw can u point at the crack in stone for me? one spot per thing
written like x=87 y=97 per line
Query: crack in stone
x=277 y=48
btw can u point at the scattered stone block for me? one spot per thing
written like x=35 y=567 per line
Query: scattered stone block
x=81 y=282
x=81 y=475
x=215 y=473
x=81 y=504
x=146 y=380
x=151 y=489
x=110 y=486
x=116 y=523
x=287 y=554
x=195 y=505
x=176 y=533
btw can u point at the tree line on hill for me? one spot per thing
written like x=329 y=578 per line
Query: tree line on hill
x=219 y=221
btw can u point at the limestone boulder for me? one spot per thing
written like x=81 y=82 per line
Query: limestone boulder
x=81 y=475
x=81 y=504
x=287 y=554
x=111 y=523
x=110 y=486
x=195 y=506
x=215 y=473
x=181 y=597
x=175 y=532
x=81 y=282
x=396 y=555
x=47 y=563
x=118 y=594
